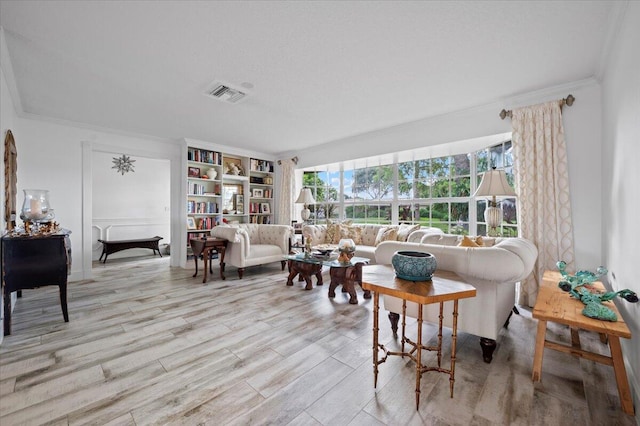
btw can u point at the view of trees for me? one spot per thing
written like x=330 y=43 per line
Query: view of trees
x=431 y=191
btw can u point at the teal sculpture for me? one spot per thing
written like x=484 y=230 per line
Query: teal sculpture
x=574 y=284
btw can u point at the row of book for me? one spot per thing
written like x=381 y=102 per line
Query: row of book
x=265 y=220
x=204 y=156
x=201 y=189
x=202 y=207
x=261 y=165
x=207 y=222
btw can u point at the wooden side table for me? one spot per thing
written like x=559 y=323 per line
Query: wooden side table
x=558 y=306
x=206 y=246
x=444 y=286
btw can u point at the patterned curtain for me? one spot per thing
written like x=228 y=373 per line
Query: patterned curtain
x=542 y=185
x=285 y=201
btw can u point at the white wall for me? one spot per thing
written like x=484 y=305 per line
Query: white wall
x=133 y=205
x=58 y=157
x=582 y=124
x=621 y=177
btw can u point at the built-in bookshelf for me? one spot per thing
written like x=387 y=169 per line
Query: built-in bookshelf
x=226 y=188
x=204 y=191
x=261 y=191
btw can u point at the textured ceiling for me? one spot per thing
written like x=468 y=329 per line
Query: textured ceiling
x=320 y=70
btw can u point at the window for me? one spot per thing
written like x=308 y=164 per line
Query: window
x=427 y=191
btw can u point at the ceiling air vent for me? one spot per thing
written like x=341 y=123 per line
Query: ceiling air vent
x=226 y=93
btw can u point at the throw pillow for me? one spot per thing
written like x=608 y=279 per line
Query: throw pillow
x=333 y=230
x=387 y=233
x=333 y=234
x=353 y=232
x=404 y=230
x=471 y=242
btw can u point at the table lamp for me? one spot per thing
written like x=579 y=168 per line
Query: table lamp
x=305 y=198
x=494 y=184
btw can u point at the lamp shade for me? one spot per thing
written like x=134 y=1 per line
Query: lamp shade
x=305 y=197
x=494 y=184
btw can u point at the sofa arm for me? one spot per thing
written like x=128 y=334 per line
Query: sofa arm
x=277 y=235
x=235 y=236
x=229 y=233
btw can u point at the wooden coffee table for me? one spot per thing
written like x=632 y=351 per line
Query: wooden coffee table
x=558 y=306
x=444 y=286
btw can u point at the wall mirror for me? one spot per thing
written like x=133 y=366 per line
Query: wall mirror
x=10 y=180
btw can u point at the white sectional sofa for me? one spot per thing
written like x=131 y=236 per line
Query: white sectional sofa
x=493 y=270
x=253 y=244
x=364 y=235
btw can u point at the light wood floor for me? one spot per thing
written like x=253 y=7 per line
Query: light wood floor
x=149 y=344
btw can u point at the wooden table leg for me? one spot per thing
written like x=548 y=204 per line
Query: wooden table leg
x=418 y=357
x=440 y=321
x=376 y=308
x=537 y=358
x=621 y=375
x=205 y=258
x=195 y=260
x=221 y=250
x=454 y=338
x=575 y=337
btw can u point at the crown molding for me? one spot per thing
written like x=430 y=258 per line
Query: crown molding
x=80 y=125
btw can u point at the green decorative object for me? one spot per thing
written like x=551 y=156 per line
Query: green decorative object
x=574 y=284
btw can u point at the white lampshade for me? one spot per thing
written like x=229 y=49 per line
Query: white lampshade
x=494 y=184
x=305 y=198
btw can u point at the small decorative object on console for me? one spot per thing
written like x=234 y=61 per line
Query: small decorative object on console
x=414 y=265
x=575 y=285
x=36 y=206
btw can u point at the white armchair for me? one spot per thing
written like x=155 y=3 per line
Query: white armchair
x=253 y=244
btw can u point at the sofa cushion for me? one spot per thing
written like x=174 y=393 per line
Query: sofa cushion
x=471 y=242
x=263 y=250
x=353 y=232
x=387 y=233
x=404 y=230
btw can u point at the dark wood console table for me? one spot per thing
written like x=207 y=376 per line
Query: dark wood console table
x=31 y=262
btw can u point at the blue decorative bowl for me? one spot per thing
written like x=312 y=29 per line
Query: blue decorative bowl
x=414 y=265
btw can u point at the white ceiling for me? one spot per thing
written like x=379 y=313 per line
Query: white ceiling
x=320 y=70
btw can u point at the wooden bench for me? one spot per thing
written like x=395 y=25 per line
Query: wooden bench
x=109 y=247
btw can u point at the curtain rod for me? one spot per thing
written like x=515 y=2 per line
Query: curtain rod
x=568 y=101
x=294 y=159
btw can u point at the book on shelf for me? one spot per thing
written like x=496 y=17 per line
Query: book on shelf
x=204 y=156
x=261 y=165
x=202 y=207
